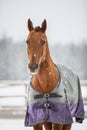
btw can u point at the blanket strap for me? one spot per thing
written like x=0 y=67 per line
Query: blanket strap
x=47 y=95
x=49 y=106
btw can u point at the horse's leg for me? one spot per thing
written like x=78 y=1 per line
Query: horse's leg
x=48 y=125
x=67 y=127
x=38 y=127
x=58 y=126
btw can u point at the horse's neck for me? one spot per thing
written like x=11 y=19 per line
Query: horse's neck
x=47 y=78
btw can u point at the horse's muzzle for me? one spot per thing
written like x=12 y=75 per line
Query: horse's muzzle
x=33 y=68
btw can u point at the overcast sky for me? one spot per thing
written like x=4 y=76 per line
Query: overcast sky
x=66 y=19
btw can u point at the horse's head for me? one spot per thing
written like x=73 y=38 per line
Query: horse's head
x=36 y=46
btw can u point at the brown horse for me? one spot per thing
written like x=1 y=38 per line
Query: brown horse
x=41 y=66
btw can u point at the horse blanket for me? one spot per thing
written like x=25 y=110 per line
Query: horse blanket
x=60 y=105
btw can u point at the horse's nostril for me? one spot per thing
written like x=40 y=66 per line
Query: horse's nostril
x=36 y=66
x=29 y=65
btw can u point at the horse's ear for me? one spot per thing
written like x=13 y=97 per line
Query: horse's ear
x=30 y=25
x=44 y=25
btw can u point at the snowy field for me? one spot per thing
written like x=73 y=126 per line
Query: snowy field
x=8 y=124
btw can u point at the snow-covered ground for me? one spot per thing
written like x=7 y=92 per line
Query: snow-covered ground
x=8 y=124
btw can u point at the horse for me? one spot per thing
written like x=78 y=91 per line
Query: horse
x=45 y=76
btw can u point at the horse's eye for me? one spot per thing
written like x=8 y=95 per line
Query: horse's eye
x=42 y=42
x=27 y=41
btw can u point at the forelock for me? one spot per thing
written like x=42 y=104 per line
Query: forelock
x=37 y=29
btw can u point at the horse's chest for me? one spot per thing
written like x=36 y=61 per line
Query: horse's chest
x=45 y=84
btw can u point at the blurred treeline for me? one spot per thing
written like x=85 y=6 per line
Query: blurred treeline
x=13 y=58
